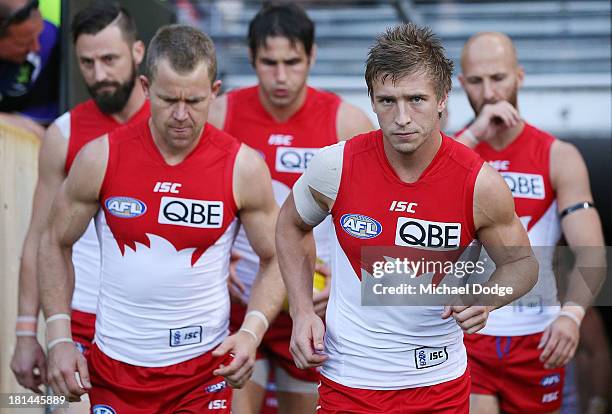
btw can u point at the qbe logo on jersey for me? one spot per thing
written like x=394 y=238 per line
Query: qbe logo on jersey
x=424 y=234
x=190 y=213
x=525 y=185
x=294 y=160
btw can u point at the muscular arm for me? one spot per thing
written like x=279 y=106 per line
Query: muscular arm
x=258 y=214
x=351 y=121
x=74 y=206
x=582 y=228
x=503 y=236
x=51 y=160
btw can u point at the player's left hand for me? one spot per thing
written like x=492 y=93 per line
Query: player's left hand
x=470 y=318
x=242 y=347
x=321 y=298
x=559 y=341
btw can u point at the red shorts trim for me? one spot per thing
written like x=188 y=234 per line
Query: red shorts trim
x=451 y=397
x=509 y=368
x=83 y=326
x=186 y=387
x=275 y=343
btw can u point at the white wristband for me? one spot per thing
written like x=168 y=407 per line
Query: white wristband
x=25 y=333
x=250 y=332
x=259 y=315
x=25 y=318
x=58 y=317
x=575 y=306
x=571 y=316
x=58 y=341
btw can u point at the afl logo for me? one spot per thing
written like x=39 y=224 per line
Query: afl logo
x=125 y=207
x=362 y=227
x=103 y=409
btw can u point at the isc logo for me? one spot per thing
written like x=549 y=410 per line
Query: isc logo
x=280 y=139
x=430 y=357
x=125 y=207
x=190 y=213
x=217 y=405
x=427 y=234
x=362 y=227
x=294 y=160
x=166 y=187
x=550 y=397
x=525 y=185
x=403 y=206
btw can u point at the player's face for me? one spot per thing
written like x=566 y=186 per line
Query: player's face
x=407 y=111
x=179 y=103
x=490 y=75
x=108 y=64
x=22 y=38
x=282 y=69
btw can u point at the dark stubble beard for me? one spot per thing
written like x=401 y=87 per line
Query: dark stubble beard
x=111 y=103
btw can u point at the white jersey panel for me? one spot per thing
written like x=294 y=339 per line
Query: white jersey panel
x=155 y=308
x=405 y=346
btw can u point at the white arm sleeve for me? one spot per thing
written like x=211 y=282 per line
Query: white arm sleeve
x=323 y=175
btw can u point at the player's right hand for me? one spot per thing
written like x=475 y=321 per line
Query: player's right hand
x=494 y=118
x=307 y=340
x=64 y=361
x=29 y=364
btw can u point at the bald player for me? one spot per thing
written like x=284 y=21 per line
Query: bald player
x=517 y=360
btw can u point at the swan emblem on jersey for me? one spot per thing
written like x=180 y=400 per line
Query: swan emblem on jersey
x=360 y=226
x=125 y=207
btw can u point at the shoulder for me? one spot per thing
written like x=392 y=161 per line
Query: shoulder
x=351 y=121
x=462 y=154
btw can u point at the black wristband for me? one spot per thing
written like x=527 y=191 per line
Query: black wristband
x=579 y=206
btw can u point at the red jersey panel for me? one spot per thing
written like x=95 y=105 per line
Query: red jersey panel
x=87 y=123
x=165 y=248
x=287 y=148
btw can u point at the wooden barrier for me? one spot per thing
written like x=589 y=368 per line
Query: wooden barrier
x=18 y=172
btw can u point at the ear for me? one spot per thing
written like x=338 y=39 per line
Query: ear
x=144 y=82
x=216 y=88
x=442 y=103
x=520 y=75
x=313 y=56
x=138 y=52
x=461 y=79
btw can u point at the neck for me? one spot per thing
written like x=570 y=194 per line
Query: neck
x=172 y=155
x=133 y=105
x=506 y=136
x=283 y=113
x=410 y=166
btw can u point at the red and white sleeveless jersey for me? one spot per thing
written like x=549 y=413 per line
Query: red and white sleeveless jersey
x=389 y=347
x=525 y=166
x=165 y=248
x=79 y=126
x=287 y=148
